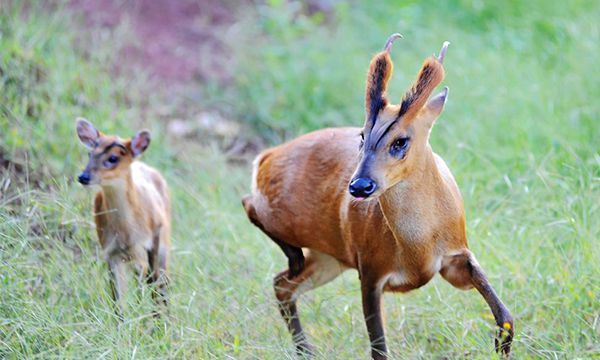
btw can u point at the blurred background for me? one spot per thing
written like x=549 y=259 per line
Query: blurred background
x=216 y=82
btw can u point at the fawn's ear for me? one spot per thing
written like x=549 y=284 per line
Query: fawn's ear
x=139 y=142
x=380 y=71
x=87 y=133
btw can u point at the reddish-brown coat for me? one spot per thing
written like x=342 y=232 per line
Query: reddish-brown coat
x=413 y=227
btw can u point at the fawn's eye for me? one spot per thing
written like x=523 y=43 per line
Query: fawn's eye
x=399 y=147
x=111 y=161
x=362 y=140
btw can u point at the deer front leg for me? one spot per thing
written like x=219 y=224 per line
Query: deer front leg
x=141 y=267
x=464 y=272
x=118 y=284
x=371 y=300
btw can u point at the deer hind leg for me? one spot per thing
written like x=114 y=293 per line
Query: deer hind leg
x=294 y=254
x=319 y=269
x=141 y=267
x=464 y=272
x=158 y=259
x=163 y=277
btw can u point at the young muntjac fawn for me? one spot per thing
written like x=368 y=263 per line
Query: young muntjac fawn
x=309 y=194
x=132 y=209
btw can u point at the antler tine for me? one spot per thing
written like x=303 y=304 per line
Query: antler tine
x=443 y=51
x=390 y=41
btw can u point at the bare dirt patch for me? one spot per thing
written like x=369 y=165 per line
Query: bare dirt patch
x=181 y=46
x=176 y=42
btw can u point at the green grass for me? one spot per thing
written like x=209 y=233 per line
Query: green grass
x=520 y=132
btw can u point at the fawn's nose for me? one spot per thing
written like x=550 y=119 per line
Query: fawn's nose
x=362 y=187
x=84 y=178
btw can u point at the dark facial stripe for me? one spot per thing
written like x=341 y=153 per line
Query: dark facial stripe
x=381 y=134
x=372 y=139
x=363 y=169
x=107 y=149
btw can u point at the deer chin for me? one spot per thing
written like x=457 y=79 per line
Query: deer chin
x=363 y=199
x=113 y=182
x=91 y=183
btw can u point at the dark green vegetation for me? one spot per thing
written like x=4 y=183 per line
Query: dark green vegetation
x=520 y=132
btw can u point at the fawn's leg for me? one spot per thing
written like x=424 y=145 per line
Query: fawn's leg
x=158 y=259
x=118 y=272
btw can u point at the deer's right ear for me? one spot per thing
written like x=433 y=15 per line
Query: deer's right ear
x=435 y=105
x=87 y=133
x=380 y=71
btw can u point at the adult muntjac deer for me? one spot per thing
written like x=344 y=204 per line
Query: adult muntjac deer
x=132 y=209
x=308 y=194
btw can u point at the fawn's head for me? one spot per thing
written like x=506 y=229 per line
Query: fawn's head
x=395 y=137
x=110 y=156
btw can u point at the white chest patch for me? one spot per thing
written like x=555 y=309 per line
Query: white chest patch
x=399 y=277
x=396 y=278
x=436 y=264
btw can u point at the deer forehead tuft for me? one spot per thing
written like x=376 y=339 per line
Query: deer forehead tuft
x=109 y=143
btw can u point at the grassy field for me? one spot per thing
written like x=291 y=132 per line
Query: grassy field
x=520 y=131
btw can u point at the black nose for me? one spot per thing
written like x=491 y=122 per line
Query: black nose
x=84 y=178
x=362 y=187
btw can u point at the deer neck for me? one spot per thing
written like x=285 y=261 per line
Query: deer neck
x=409 y=206
x=121 y=200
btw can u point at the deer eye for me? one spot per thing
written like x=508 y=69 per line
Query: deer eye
x=111 y=161
x=362 y=140
x=399 y=147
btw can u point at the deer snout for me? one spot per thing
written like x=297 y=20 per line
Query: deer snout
x=362 y=187
x=84 y=178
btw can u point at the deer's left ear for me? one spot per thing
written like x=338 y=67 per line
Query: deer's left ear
x=435 y=105
x=140 y=142
x=429 y=77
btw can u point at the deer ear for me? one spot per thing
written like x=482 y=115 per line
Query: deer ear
x=380 y=71
x=140 y=142
x=435 y=105
x=430 y=76
x=87 y=132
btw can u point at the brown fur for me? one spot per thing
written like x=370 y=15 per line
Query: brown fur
x=430 y=75
x=380 y=71
x=413 y=227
